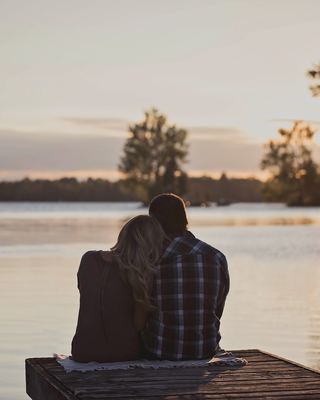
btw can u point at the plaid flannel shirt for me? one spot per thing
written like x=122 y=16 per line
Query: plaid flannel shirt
x=189 y=292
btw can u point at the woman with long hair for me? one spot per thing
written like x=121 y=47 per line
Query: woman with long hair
x=114 y=291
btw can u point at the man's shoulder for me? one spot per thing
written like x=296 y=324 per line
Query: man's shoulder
x=209 y=254
x=202 y=247
x=190 y=246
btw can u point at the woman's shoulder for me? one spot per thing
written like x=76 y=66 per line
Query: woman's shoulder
x=90 y=254
x=106 y=256
x=93 y=260
x=87 y=260
x=95 y=257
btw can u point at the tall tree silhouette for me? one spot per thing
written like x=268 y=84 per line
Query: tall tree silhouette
x=153 y=157
x=294 y=174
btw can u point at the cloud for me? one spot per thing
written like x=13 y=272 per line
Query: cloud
x=116 y=126
x=217 y=133
x=29 y=151
x=104 y=125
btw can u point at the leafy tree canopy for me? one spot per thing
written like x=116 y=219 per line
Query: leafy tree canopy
x=153 y=157
x=294 y=174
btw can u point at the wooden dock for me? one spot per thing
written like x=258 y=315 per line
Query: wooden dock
x=265 y=377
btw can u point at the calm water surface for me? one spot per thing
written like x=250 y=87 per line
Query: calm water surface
x=274 y=261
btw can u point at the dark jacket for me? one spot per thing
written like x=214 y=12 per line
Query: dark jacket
x=105 y=330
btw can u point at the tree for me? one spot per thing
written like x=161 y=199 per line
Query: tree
x=314 y=74
x=153 y=157
x=224 y=184
x=294 y=174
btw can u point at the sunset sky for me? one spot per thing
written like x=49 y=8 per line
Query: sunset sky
x=75 y=73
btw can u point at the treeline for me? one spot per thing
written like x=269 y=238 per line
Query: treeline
x=65 y=189
x=199 y=190
x=233 y=190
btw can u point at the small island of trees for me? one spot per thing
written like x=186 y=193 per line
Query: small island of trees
x=295 y=178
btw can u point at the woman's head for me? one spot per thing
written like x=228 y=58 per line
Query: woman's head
x=137 y=251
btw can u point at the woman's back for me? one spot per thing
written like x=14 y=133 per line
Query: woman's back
x=105 y=330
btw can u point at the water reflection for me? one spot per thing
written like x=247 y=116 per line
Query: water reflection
x=256 y=221
x=89 y=222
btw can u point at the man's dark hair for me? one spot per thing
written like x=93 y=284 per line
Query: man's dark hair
x=169 y=210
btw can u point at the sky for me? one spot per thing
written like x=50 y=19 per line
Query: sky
x=75 y=73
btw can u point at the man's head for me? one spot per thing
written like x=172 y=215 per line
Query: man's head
x=169 y=210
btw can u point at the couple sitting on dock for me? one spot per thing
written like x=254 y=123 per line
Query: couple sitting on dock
x=158 y=294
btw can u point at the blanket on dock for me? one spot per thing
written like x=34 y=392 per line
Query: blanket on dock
x=223 y=358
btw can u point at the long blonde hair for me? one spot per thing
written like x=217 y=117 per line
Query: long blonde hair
x=137 y=251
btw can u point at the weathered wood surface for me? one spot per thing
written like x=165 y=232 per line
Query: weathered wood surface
x=265 y=377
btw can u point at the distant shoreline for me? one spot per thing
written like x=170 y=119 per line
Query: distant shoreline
x=201 y=190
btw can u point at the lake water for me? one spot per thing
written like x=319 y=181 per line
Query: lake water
x=274 y=262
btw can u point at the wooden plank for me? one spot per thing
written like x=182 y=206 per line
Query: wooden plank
x=280 y=383
x=229 y=378
x=301 y=394
x=199 y=387
x=217 y=396
x=290 y=362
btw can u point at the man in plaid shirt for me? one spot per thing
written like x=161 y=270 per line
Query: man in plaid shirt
x=189 y=292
